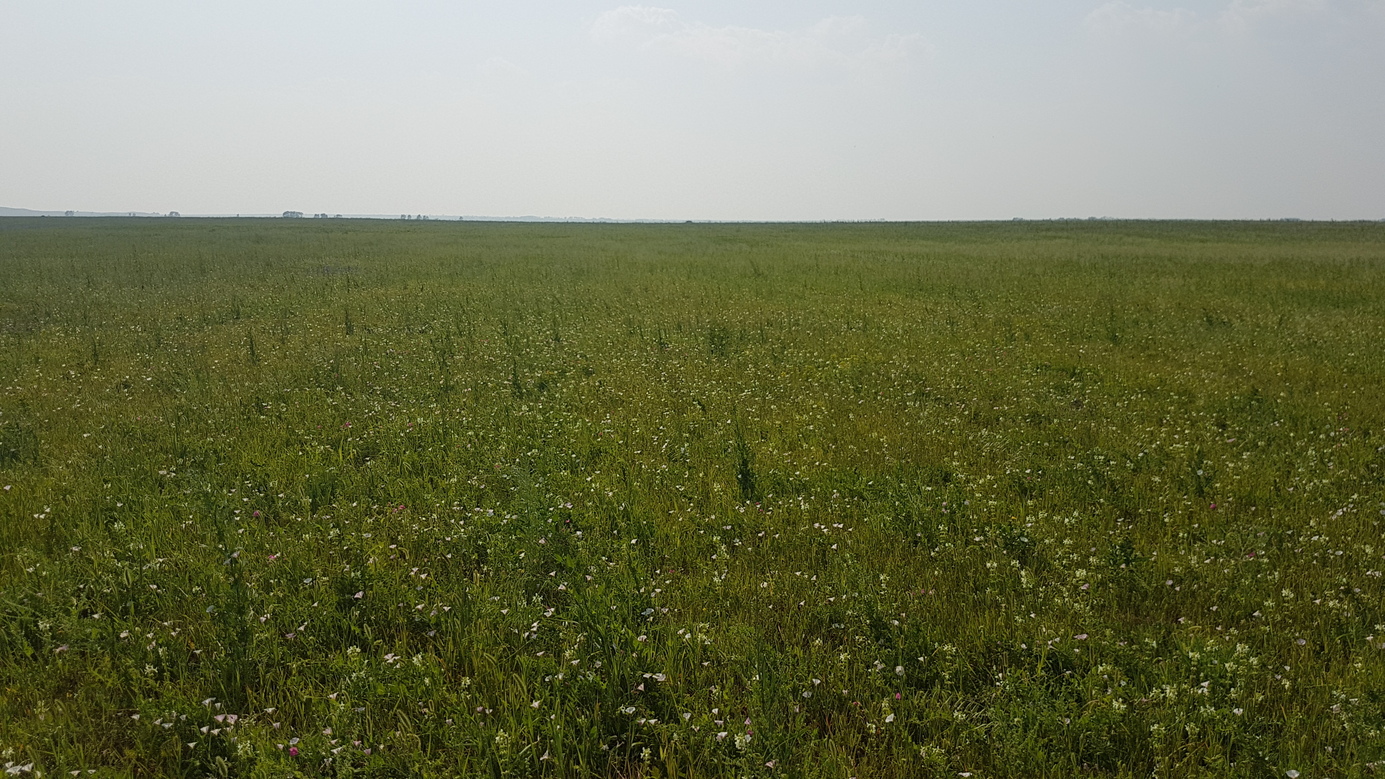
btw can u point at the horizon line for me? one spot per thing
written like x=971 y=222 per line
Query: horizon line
x=21 y=213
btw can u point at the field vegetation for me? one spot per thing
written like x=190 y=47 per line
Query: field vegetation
x=338 y=498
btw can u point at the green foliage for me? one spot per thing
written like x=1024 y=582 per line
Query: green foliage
x=453 y=499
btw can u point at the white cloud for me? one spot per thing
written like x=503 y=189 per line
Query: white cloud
x=834 y=41
x=1118 y=18
x=636 y=22
x=1241 y=13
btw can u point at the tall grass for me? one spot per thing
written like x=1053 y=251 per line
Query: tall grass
x=1031 y=499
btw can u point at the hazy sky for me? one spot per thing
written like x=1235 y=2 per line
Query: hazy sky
x=810 y=109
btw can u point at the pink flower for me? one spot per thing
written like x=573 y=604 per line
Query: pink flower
x=293 y=751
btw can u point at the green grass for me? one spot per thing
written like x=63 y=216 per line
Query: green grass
x=383 y=498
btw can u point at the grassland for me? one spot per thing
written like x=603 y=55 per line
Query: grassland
x=386 y=499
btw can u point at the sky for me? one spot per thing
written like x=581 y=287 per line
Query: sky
x=774 y=110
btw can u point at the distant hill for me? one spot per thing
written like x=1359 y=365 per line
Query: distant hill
x=430 y=217
x=30 y=212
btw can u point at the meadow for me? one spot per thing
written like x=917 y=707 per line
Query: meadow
x=359 y=498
